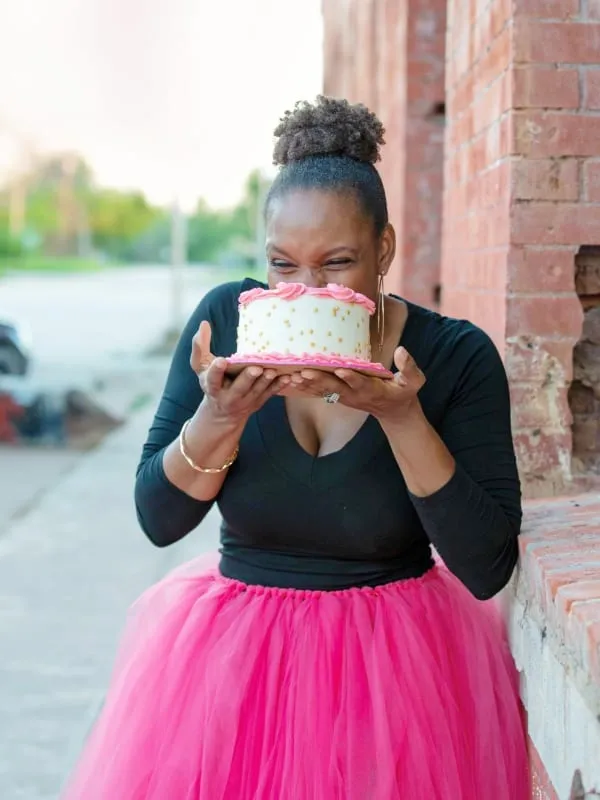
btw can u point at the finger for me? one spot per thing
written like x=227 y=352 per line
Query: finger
x=320 y=383
x=262 y=384
x=401 y=358
x=353 y=379
x=212 y=379
x=278 y=386
x=201 y=357
x=409 y=374
x=244 y=382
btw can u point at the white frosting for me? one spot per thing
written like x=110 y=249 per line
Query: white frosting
x=304 y=325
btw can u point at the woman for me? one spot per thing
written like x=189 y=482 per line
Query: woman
x=326 y=657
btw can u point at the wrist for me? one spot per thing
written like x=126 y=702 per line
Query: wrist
x=207 y=416
x=406 y=419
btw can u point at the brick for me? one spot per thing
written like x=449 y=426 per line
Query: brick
x=541 y=785
x=547 y=9
x=545 y=87
x=593 y=643
x=541 y=134
x=592 y=88
x=571 y=593
x=591 y=181
x=536 y=359
x=541 y=452
x=593 y=9
x=560 y=315
x=495 y=60
x=540 y=269
x=538 y=42
x=558 y=577
x=534 y=406
x=545 y=179
x=555 y=223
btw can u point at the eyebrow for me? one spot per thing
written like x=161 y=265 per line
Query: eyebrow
x=334 y=251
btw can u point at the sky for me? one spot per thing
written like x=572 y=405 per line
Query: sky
x=175 y=97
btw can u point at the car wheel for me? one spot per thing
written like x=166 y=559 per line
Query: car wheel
x=11 y=361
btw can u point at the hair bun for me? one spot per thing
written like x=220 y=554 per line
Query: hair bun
x=328 y=127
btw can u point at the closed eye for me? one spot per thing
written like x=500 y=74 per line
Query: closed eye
x=280 y=264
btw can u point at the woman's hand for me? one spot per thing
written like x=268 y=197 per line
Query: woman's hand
x=388 y=400
x=227 y=399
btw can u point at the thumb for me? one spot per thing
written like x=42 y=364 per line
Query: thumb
x=201 y=357
x=204 y=337
x=401 y=358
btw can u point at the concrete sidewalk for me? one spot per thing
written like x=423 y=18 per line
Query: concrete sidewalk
x=69 y=569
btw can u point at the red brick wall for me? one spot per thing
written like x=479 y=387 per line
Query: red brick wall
x=390 y=56
x=521 y=199
x=477 y=165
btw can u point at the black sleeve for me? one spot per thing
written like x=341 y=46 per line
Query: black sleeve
x=474 y=520
x=165 y=513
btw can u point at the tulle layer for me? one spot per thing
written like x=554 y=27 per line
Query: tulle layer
x=224 y=691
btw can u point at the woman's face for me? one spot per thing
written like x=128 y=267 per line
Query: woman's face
x=316 y=238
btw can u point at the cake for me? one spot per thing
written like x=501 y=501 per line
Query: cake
x=295 y=324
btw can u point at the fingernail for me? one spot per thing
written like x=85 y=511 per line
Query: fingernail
x=285 y=379
x=270 y=375
x=255 y=371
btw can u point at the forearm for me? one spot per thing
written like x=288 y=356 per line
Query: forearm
x=423 y=458
x=465 y=524
x=209 y=443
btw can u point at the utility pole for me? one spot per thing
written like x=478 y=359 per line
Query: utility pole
x=178 y=261
x=260 y=222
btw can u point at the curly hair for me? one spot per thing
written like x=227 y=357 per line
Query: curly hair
x=331 y=145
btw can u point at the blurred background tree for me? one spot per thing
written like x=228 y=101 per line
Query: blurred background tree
x=55 y=216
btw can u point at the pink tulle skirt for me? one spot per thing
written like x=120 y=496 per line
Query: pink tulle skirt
x=224 y=691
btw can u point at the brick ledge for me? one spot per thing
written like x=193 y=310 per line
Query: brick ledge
x=558 y=581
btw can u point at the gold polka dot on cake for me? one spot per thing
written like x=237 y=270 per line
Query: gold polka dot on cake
x=335 y=310
x=328 y=333
x=311 y=332
x=316 y=310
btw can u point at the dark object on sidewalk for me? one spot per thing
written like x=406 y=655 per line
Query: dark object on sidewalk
x=66 y=418
x=14 y=352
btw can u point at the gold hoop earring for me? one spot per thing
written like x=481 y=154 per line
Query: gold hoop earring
x=380 y=312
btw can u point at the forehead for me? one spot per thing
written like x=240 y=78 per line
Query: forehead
x=323 y=217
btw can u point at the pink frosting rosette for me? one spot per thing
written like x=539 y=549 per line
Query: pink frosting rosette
x=291 y=291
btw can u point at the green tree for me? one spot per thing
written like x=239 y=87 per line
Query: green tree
x=117 y=219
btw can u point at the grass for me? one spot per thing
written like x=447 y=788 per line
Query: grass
x=48 y=264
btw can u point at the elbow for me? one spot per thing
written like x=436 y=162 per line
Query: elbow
x=156 y=534
x=489 y=582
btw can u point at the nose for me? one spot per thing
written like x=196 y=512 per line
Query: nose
x=313 y=277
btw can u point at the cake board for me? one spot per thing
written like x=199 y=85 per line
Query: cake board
x=283 y=367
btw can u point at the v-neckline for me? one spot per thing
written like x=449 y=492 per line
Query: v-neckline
x=326 y=470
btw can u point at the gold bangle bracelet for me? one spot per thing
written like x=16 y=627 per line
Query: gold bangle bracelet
x=197 y=467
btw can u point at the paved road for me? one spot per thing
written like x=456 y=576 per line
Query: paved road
x=86 y=321
x=89 y=330
x=68 y=570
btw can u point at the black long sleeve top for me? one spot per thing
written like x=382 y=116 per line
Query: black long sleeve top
x=347 y=518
